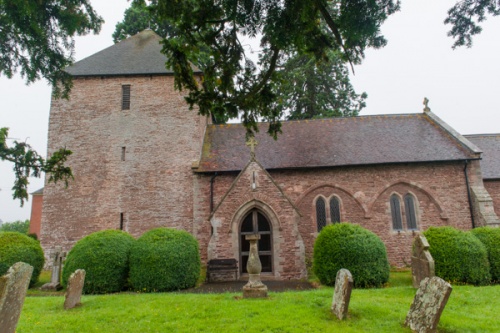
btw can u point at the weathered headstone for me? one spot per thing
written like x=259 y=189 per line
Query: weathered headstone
x=254 y=288
x=428 y=304
x=74 y=289
x=13 y=287
x=342 y=293
x=422 y=263
x=55 y=279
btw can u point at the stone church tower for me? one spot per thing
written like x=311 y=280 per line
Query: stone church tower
x=133 y=140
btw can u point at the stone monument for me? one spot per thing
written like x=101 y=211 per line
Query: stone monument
x=75 y=288
x=55 y=278
x=13 y=287
x=422 y=263
x=342 y=293
x=254 y=288
x=428 y=304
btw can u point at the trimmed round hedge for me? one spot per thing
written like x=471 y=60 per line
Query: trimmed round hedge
x=104 y=255
x=490 y=237
x=15 y=247
x=164 y=260
x=345 y=245
x=458 y=256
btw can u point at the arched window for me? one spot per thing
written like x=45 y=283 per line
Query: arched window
x=335 y=210
x=397 y=223
x=411 y=216
x=320 y=213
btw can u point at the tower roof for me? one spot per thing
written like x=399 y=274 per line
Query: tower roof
x=136 y=55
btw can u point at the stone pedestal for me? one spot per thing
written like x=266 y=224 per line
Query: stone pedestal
x=254 y=288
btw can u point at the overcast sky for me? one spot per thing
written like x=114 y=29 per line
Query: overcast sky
x=462 y=85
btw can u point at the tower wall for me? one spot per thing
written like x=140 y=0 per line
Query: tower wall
x=132 y=168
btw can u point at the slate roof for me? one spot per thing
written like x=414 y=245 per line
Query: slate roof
x=39 y=191
x=490 y=145
x=136 y=55
x=334 y=142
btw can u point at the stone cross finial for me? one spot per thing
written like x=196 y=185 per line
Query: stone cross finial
x=252 y=143
x=426 y=102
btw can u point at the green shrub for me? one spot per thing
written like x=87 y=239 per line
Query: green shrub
x=458 y=256
x=104 y=255
x=17 y=226
x=490 y=237
x=15 y=247
x=345 y=245
x=164 y=260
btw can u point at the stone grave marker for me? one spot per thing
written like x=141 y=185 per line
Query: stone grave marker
x=342 y=293
x=74 y=289
x=13 y=287
x=422 y=263
x=55 y=279
x=428 y=304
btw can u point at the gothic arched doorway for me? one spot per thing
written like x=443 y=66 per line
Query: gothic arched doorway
x=256 y=223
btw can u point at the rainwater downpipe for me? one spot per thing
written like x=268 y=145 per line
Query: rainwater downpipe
x=212 y=179
x=468 y=195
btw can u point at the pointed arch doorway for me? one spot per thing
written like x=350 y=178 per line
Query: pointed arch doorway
x=255 y=222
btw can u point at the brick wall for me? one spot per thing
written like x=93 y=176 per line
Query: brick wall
x=493 y=188
x=151 y=187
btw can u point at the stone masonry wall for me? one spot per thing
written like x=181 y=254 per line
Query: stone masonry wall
x=364 y=191
x=147 y=184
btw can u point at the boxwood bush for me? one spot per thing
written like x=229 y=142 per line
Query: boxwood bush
x=15 y=247
x=490 y=237
x=345 y=245
x=104 y=255
x=458 y=256
x=164 y=260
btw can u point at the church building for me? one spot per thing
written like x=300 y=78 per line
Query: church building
x=141 y=160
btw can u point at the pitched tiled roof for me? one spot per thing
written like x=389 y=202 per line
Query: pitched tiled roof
x=334 y=142
x=490 y=145
x=139 y=54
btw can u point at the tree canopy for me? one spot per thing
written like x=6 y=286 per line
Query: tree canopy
x=36 y=40
x=307 y=88
x=137 y=18
x=213 y=36
x=465 y=17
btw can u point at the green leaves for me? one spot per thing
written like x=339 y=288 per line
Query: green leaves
x=36 y=38
x=27 y=163
x=209 y=35
x=465 y=17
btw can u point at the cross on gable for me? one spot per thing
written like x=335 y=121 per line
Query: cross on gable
x=426 y=104
x=252 y=143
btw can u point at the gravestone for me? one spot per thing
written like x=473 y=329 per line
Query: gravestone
x=74 y=289
x=342 y=293
x=428 y=304
x=55 y=279
x=254 y=288
x=13 y=287
x=422 y=263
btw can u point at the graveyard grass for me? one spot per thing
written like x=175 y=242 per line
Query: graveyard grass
x=469 y=309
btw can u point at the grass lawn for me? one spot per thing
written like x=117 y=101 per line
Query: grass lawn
x=469 y=309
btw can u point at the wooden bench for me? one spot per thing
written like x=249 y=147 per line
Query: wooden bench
x=222 y=270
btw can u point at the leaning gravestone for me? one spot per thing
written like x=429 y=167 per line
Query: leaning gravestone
x=74 y=289
x=342 y=293
x=422 y=263
x=428 y=304
x=13 y=287
x=55 y=279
